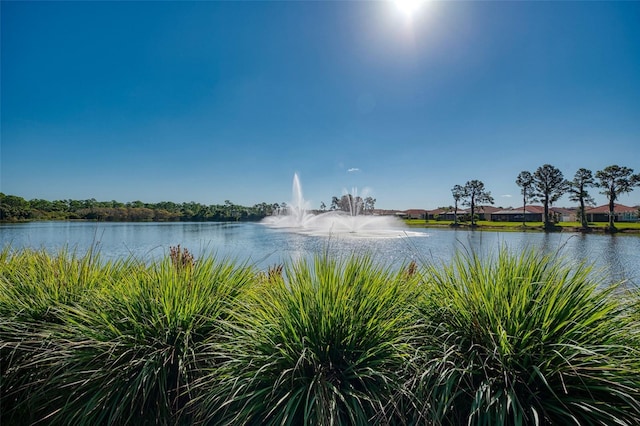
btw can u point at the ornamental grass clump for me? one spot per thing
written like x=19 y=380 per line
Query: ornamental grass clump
x=34 y=284
x=525 y=339
x=322 y=343
x=131 y=353
x=35 y=289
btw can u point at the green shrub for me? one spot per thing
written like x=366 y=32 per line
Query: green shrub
x=514 y=339
x=324 y=343
x=129 y=355
x=524 y=339
x=35 y=284
x=35 y=289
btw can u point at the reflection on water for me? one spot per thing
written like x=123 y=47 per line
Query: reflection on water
x=618 y=255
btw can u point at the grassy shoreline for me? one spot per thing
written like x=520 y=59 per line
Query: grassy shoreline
x=512 y=339
x=483 y=225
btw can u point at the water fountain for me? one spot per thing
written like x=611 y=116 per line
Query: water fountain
x=297 y=218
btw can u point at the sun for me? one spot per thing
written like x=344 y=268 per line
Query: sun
x=408 y=7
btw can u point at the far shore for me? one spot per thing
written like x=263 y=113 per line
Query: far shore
x=483 y=225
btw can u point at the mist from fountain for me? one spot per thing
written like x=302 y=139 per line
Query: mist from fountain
x=298 y=218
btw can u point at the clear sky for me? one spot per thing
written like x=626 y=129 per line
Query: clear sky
x=214 y=101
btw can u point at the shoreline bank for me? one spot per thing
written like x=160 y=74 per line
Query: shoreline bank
x=510 y=227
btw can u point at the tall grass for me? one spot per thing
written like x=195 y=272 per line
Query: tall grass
x=35 y=288
x=129 y=354
x=34 y=284
x=325 y=343
x=524 y=339
x=512 y=340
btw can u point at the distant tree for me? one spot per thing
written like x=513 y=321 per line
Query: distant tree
x=323 y=206
x=346 y=201
x=164 y=205
x=161 y=215
x=615 y=180
x=550 y=185
x=335 y=203
x=578 y=192
x=351 y=204
x=13 y=208
x=369 y=204
x=71 y=205
x=458 y=194
x=261 y=209
x=90 y=203
x=474 y=194
x=42 y=205
x=525 y=182
x=60 y=206
x=140 y=214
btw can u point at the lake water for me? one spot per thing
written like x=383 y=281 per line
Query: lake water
x=262 y=246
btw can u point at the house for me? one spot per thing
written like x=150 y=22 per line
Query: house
x=564 y=214
x=481 y=212
x=485 y=212
x=621 y=213
x=431 y=214
x=383 y=212
x=448 y=214
x=526 y=214
x=442 y=214
x=438 y=214
x=415 y=214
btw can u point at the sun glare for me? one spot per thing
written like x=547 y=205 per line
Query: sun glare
x=408 y=7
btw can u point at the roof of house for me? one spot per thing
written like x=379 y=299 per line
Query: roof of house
x=536 y=209
x=488 y=209
x=479 y=209
x=563 y=210
x=518 y=210
x=447 y=211
x=415 y=211
x=617 y=208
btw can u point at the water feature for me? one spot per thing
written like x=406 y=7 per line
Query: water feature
x=352 y=222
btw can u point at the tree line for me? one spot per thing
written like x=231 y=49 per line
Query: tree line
x=352 y=204
x=14 y=208
x=547 y=184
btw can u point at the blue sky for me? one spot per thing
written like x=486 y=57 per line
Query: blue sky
x=215 y=101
